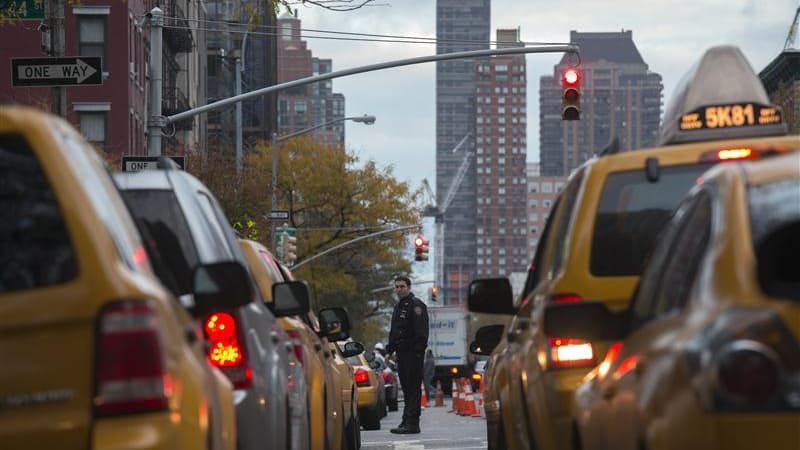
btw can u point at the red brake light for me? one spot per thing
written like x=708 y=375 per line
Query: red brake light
x=130 y=373
x=362 y=377
x=227 y=350
x=570 y=353
x=729 y=154
x=565 y=298
x=297 y=345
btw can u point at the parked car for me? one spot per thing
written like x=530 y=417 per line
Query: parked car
x=371 y=392
x=98 y=353
x=189 y=228
x=324 y=396
x=708 y=355
x=598 y=235
x=391 y=380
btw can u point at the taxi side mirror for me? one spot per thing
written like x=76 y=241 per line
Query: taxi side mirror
x=591 y=321
x=491 y=295
x=290 y=298
x=224 y=285
x=334 y=323
x=486 y=339
x=352 y=349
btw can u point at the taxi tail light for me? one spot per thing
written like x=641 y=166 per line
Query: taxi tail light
x=361 y=377
x=130 y=371
x=226 y=348
x=297 y=345
x=748 y=372
x=570 y=353
x=748 y=361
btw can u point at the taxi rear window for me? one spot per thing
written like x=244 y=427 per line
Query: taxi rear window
x=631 y=213
x=161 y=222
x=35 y=248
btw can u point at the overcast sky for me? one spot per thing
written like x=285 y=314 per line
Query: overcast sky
x=670 y=36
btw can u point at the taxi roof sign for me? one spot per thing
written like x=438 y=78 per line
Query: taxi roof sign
x=721 y=97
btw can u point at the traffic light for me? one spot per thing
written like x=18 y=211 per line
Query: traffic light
x=420 y=248
x=570 y=94
x=434 y=290
x=289 y=250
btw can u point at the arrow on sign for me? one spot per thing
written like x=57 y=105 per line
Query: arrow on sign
x=79 y=71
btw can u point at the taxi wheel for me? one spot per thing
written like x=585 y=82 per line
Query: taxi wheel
x=371 y=419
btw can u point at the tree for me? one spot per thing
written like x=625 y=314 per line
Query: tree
x=332 y=199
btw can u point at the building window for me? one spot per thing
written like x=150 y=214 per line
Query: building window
x=92 y=36
x=93 y=128
x=547 y=188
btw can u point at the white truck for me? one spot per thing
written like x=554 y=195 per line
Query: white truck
x=447 y=338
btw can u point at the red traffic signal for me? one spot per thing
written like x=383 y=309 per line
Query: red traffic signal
x=420 y=248
x=570 y=95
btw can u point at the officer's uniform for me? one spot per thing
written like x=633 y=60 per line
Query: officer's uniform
x=408 y=337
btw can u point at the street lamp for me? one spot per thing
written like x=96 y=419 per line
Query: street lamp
x=365 y=119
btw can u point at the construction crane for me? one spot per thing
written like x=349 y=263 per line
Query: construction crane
x=437 y=211
x=789 y=44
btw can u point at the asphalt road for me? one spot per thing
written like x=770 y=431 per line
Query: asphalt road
x=440 y=430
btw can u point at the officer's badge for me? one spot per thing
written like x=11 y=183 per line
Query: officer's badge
x=418 y=310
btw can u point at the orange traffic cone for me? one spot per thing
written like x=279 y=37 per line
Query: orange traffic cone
x=469 y=403
x=439 y=396
x=424 y=402
x=454 y=397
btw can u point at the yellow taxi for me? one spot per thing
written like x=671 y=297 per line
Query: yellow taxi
x=710 y=350
x=98 y=354
x=334 y=323
x=371 y=403
x=324 y=396
x=598 y=235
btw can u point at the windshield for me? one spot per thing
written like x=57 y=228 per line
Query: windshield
x=631 y=213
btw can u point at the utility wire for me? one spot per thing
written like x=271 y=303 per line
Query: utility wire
x=275 y=32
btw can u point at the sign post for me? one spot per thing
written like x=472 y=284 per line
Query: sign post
x=137 y=163
x=70 y=71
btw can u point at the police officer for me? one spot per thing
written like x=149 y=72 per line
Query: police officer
x=408 y=337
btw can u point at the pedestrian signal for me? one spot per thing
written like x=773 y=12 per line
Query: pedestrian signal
x=570 y=95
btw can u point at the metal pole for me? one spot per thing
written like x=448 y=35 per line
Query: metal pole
x=274 y=184
x=155 y=121
x=566 y=48
x=353 y=241
x=58 y=94
x=238 y=91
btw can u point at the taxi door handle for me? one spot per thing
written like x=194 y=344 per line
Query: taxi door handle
x=317 y=346
x=275 y=337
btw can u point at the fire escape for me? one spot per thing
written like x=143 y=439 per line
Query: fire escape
x=178 y=43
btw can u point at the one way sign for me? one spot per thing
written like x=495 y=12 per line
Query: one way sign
x=72 y=71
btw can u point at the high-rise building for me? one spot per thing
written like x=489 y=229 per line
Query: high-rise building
x=620 y=99
x=309 y=105
x=461 y=25
x=542 y=194
x=501 y=149
x=781 y=79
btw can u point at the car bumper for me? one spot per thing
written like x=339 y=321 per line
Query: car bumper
x=147 y=432
x=367 y=398
x=774 y=431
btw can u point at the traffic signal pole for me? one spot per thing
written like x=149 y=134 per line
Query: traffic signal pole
x=154 y=139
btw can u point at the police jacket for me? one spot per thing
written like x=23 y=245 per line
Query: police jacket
x=409 y=332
